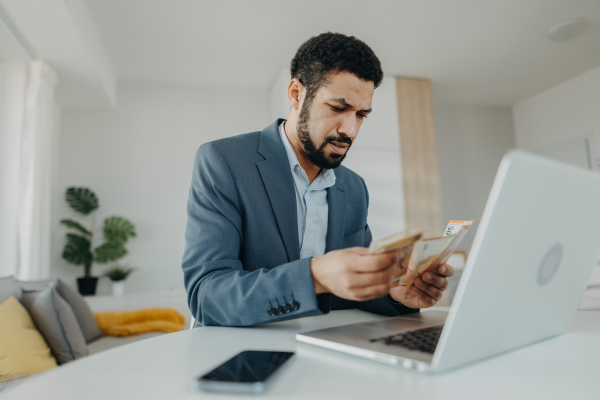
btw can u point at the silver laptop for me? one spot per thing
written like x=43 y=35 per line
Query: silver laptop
x=536 y=246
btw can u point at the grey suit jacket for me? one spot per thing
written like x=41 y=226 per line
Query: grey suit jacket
x=242 y=261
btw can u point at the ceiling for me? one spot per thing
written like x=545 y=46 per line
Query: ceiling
x=474 y=51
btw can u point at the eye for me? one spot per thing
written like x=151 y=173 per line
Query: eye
x=361 y=116
x=337 y=109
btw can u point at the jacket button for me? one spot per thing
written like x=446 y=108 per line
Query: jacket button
x=271 y=312
x=287 y=308
x=295 y=305
x=279 y=310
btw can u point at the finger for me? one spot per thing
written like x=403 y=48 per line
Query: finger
x=430 y=290
x=408 y=274
x=445 y=270
x=375 y=262
x=425 y=299
x=365 y=279
x=436 y=280
x=358 y=250
x=371 y=292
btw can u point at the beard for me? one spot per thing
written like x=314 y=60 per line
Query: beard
x=316 y=154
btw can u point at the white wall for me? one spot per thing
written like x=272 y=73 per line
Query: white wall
x=471 y=141
x=138 y=159
x=279 y=105
x=564 y=112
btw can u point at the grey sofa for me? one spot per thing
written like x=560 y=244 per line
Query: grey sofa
x=63 y=318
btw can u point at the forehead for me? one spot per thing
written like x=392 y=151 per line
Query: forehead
x=348 y=86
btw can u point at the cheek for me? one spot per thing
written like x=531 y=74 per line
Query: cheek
x=328 y=125
x=320 y=128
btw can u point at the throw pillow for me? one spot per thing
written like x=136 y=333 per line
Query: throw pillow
x=9 y=287
x=83 y=313
x=35 y=285
x=22 y=348
x=56 y=321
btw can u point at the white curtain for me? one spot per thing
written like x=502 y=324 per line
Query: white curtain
x=13 y=85
x=27 y=128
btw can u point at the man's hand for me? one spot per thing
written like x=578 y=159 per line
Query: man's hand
x=353 y=275
x=427 y=288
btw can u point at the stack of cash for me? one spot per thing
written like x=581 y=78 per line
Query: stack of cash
x=403 y=241
x=421 y=255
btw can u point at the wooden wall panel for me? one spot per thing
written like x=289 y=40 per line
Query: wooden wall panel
x=421 y=177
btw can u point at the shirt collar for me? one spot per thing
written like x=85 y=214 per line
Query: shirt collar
x=326 y=177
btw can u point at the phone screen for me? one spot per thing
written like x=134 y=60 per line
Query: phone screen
x=248 y=367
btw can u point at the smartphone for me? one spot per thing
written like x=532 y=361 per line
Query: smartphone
x=247 y=372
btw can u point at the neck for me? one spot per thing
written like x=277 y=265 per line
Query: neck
x=290 y=128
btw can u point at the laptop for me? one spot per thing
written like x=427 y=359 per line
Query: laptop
x=534 y=250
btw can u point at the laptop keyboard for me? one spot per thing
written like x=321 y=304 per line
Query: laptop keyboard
x=424 y=340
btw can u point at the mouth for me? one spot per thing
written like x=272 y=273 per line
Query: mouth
x=339 y=148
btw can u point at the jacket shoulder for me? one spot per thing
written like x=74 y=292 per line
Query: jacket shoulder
x=243 y=141
x=237 y=147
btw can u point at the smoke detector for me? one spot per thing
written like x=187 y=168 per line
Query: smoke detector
x=566 y=30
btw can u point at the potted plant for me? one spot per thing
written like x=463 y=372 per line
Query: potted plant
x=81 y=249
x=117 y=275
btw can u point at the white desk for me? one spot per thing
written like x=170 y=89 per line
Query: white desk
x=565 y=367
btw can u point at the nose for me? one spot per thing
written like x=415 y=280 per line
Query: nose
x=349 y=126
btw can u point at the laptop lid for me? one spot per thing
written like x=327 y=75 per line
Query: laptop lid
x=534 y=250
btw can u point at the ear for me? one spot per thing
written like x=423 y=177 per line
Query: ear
x=295 y=92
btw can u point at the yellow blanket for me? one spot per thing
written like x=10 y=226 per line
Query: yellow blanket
x=127 y=323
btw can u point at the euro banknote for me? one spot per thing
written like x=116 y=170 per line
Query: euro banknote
x=429 y=254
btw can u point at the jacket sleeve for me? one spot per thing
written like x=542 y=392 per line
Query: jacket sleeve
x=383 y=305
x=219 y=290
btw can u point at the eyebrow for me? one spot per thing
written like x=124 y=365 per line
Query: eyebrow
x=343 y=101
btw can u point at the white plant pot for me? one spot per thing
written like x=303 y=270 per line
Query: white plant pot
x=118 y=288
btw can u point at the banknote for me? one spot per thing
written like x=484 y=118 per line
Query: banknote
x=403 y=241
x=453 y=226
x=433 y=252
x=427 y=257
x=458 y=228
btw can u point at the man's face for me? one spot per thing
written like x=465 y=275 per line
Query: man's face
x=329 y=123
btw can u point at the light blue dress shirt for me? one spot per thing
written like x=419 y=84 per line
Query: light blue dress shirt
x=311 y=203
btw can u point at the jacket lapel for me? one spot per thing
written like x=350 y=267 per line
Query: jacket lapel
x=278 y=181
x=336 y=197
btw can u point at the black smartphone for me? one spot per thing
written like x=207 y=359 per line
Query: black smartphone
x=247 y=372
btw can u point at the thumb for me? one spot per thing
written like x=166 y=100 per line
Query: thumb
x=407 y=276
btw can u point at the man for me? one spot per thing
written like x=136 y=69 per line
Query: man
x=277 y=228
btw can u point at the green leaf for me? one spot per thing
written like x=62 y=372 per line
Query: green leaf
x=69 y=223
x=118 y=230
x=118 y=273
x=77 y=250
x=81 y=199
x=109 y=252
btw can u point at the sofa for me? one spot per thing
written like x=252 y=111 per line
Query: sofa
x=56 y=326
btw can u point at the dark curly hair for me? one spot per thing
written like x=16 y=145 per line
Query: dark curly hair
x=329 y=53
